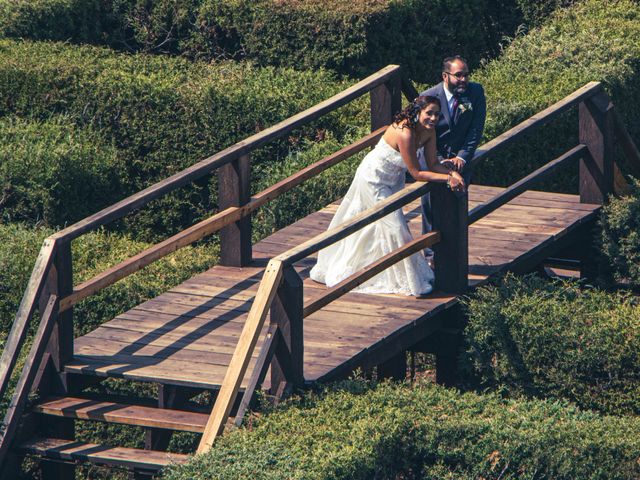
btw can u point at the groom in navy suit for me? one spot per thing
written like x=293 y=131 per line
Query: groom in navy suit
x=463 y=109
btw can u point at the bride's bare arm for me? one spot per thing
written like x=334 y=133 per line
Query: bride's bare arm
x=436 y=173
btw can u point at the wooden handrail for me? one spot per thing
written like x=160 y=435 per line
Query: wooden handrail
x=239 y=362
x=524 y=184
x=212 y=224
x=29 y=372
x=370 y=271
x=28 y=304
x=227 y=155
x=536 y=121
x=379 y=210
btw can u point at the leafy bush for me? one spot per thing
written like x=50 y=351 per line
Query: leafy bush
x=361 y=37
x=592 y=41
x=535 y=13
x=93 y=253
x=619 y=237
x=396 y=431
x=80 y=20
x=53 y=173
x=163 y=114
x=529 y=336
x=355 y=38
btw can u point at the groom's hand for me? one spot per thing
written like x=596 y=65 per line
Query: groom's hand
x=455 y=163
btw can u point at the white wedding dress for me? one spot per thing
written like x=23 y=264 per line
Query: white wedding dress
x=381 y=174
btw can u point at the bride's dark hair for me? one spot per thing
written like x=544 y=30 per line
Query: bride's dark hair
x=411 y=112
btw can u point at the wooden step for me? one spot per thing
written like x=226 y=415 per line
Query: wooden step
x=142 y=416
x=55 y=448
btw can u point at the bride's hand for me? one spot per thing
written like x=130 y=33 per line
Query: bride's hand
x=456 y=182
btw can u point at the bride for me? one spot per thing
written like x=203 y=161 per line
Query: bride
x=381 y=174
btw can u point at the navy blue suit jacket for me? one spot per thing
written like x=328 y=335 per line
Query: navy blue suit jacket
x=460 y=136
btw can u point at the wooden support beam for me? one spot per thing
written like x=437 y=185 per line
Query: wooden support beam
x=596 y=132
x=286 y=313
x=234 y=191
x=451 y=253
x=386 y=101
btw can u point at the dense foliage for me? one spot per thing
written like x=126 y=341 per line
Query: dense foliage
x=620 y=237
x=398 y=431
x=53 y=173
x=164 y=114
x=355 y=38
x=530 y=336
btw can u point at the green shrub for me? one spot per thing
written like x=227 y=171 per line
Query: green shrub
x=52 y=173
x=530 y=336
x=536 y=12
x=164 y=114
x=92 y=254
x=354 y=38
x=592 y=41
x=80 y=20
x=396 y=431
x=359 y=37
x=620 y=238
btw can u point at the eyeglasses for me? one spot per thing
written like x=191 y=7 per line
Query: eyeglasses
x=459 y=75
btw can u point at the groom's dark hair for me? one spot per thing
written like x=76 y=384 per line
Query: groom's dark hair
x=446 y=63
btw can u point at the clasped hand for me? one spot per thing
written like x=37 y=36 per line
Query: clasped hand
x=456 y=182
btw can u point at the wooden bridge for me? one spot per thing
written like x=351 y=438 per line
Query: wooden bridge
x=257 y=312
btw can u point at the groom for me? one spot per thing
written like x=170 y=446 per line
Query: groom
x=463 y=109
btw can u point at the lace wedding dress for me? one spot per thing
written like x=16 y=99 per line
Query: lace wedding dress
x=381 y=174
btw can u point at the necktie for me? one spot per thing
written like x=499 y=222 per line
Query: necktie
x=454 y=107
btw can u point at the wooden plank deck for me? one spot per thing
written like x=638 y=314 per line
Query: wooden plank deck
x=187 y=335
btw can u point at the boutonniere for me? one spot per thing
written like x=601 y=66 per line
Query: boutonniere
x=465 y=105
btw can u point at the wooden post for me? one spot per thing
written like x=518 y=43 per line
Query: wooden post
x=597 y=124
x=394 y=368
x=60 y=348
x=451 y=253
x=451 y=258
x=386 y=101
x=234 y=191
x=597 y=133
x=286 y=313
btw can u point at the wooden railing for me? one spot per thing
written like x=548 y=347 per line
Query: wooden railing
x=53 y=272
x=450 y=240
x=280 y=293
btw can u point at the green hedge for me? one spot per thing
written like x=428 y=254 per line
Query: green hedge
x=396 y=431
x=164 y=114
x=360 y=37
x=351 y=37
x=536 y=12
x=530 y=336
x=593 y=40
x=620 y=238
x=53 y=173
